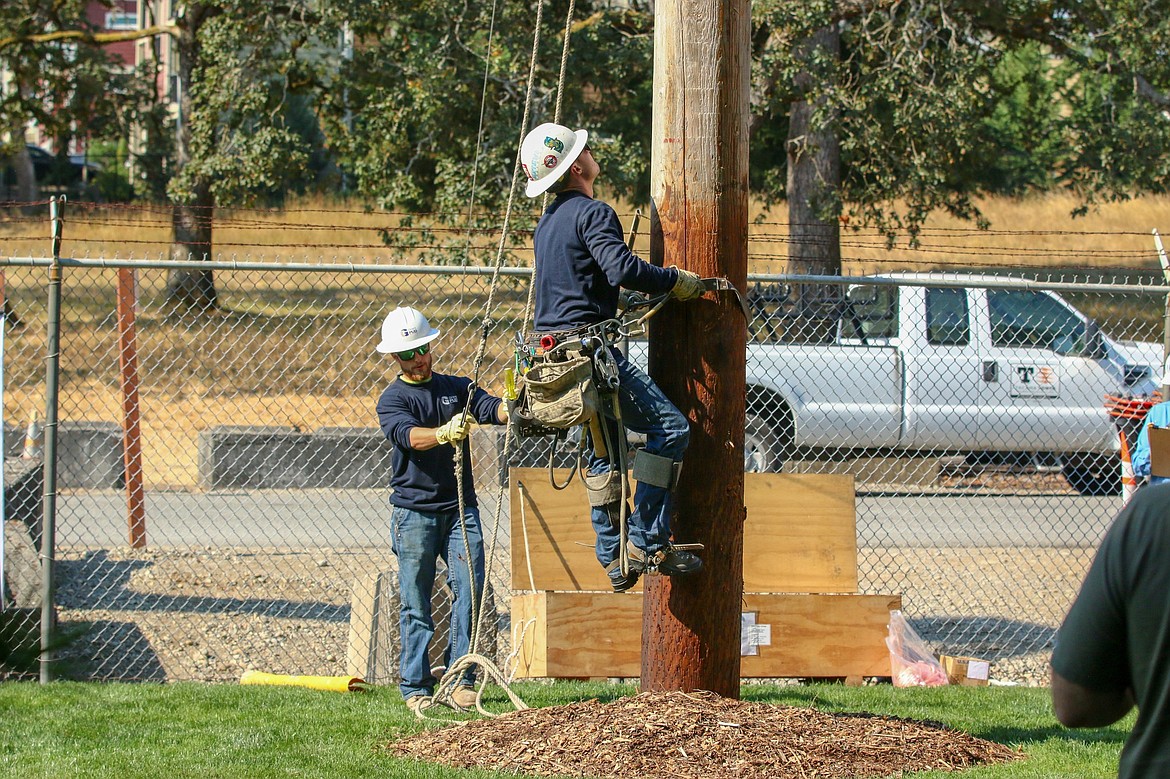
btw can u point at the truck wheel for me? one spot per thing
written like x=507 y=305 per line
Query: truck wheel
x=1090 y=473
x=761 y=449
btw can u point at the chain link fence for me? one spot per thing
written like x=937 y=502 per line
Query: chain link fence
x=970 y=413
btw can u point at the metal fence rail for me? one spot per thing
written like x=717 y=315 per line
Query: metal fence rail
x=263 y=470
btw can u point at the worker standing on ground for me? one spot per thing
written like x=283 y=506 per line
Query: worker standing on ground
x=1157 y=416
x=1110 y=653
x=422 y=413
x=582 y=262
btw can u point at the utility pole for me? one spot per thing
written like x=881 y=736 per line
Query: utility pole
x=699 y=189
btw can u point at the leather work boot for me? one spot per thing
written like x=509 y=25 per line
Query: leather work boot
x=463 y=697
x=419 y=703
x=620 y=582
x=678 y=562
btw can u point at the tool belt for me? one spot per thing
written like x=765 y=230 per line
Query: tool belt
x=560 y=388
x=560 y=395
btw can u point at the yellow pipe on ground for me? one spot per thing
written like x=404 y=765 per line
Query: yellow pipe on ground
x=327 y=683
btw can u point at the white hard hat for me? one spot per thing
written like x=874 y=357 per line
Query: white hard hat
x=546 y=154
x=404 y=329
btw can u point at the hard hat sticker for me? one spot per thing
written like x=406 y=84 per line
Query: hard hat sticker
x=555 y=144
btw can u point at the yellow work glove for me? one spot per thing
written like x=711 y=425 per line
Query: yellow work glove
x=688 y=287
x=454 y=431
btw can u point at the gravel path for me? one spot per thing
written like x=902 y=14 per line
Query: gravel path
x=212 y=614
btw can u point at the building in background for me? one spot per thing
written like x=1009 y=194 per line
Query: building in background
x=70 y=168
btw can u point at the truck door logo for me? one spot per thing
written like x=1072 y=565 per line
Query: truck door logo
x=1030 y=380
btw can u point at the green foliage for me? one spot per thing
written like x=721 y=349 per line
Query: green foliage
x=120 y=730
x=900 y=100
x=430 y=113
x=935 y=103
x=418 y=105
x=251 y=71
x=1022 y=140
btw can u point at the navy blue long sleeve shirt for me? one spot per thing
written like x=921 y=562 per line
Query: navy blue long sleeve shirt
x=582 y=262
x=425 y=480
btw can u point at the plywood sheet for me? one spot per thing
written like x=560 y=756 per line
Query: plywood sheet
x=800 y=534
x=552 y=536
x=578 y=634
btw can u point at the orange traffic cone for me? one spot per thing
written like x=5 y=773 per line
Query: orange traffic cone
x=33 y=438
x=1128 y=480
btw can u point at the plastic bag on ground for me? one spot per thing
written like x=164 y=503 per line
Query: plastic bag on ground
x=912 y=664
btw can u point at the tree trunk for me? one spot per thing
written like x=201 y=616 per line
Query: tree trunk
x=27 y=190
x=190 y=291
x=814 y=179
x=690 y=628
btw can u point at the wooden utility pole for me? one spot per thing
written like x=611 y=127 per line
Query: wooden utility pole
x=699 y=187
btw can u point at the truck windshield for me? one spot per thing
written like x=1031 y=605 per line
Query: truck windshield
x=1034 y=320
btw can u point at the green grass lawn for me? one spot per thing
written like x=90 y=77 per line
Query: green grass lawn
x=69 y=729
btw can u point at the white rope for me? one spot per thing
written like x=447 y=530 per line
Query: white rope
x=524 y=528
x=455 y=671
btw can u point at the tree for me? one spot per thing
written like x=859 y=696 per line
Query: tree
x=879 y=102
x=240 y=66
x=57 y=81
x=430 y=117
x=914 y=99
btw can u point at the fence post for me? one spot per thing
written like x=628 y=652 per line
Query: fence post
x=52 y=372
x=1162 y=259
x=131 y=432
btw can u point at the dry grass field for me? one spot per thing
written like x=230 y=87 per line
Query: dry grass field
x=1036 y=232
x=296 y=349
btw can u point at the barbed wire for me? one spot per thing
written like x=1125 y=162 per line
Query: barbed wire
x=301 y=229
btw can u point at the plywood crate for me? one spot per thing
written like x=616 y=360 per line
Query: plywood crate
x=597 y=634
x=800 y=534
x=800 y=584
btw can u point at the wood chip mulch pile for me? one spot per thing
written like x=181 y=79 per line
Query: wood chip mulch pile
x=699 y=735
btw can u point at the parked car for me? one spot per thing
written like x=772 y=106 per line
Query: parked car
x=981 y=371
x=71 y=171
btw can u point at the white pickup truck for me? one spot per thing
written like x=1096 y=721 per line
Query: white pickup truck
x=978 y=370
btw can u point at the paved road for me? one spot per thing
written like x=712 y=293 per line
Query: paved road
x=359 y=519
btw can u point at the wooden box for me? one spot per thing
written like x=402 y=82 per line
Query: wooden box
x=593 y=634
x=800 y=534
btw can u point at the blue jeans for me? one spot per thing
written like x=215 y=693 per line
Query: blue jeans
x=418 y=539
x=644 y=410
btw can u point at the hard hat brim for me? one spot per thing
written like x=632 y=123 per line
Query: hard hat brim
x=541 y=185
x=390 y=347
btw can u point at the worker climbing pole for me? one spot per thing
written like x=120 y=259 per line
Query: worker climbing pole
x=700 y=197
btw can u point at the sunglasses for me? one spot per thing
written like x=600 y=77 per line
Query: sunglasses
x=410 y=355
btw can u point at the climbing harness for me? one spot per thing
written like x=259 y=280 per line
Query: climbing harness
x=569 y=378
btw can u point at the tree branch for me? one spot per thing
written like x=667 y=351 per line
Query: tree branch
x=1149 y=91
x=92 y=38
